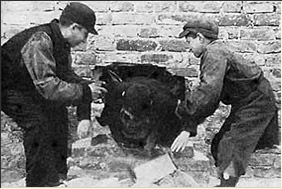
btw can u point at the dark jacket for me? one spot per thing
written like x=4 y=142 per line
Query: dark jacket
x=38 y=60
x=227 y=77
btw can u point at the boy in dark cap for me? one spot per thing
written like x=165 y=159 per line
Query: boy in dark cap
x=37 y=85
x=231 y=79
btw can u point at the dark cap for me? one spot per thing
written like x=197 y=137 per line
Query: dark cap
x=82 y=15
x=206 y=27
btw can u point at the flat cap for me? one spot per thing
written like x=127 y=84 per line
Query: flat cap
x=207 y=27
x=81 y=14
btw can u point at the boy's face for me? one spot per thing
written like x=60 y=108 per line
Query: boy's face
x=78 y=35
x=195 y=44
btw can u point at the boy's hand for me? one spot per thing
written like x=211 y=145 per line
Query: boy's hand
x=97 y=90
x=83 y=128
x=180 y=142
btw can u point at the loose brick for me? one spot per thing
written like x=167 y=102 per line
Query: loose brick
x=173 y=45
x=269 y=47
x=136 y=45
x=133 y=18
x=234 y=20
x=267 y=19
x=232 y=6
x=201 y=177
x=156 y=58
x=121 y=6
x=256 y=7
x=200 y=6
x=257 y=34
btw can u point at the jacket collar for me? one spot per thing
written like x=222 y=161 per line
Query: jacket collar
x=58 y=34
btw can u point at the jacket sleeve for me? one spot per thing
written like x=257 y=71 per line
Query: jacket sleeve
x=38 y=58
x=202 y=101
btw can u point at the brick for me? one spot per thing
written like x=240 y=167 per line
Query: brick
x=165 y=6
x=255 y=7
x=103 y=18
x=173 y=45
x=269 y=47
x=85 y=58
x=145 y=6
x=273 y=60
x=136 y=45
x=82 y=70
x=232 y=6
x=201 y=177
x=80 y=47
x=121 y=6
x=233 y=33
x=234 y=20
x=277 y=6
x=277 y=162
x=277 y=33
x=98 y=6
x=267 y=172
x=170 y=31
x=275 y=83
x=192 y=165
x=267 y=19
x=17 y=6
x=261 y=159
x=148 y=33
x=276 y=72
x=102 y=43
x=118 y=57
x=191 y=71
x=173 y=19
x=257 y=34
x=243 y=46
x=156 y=58
x=133 y=18
x=200 y=6
x=89 y=162
x=120 y=30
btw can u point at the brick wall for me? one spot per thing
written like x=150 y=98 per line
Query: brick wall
x=146 y=32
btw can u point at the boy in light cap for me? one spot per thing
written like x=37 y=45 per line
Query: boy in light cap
x=227 y=77
x=37 y=85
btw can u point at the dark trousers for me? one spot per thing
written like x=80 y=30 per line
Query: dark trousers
x=45 y=127
x=252 y=124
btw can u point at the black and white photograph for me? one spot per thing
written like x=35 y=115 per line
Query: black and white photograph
x=100 y=94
